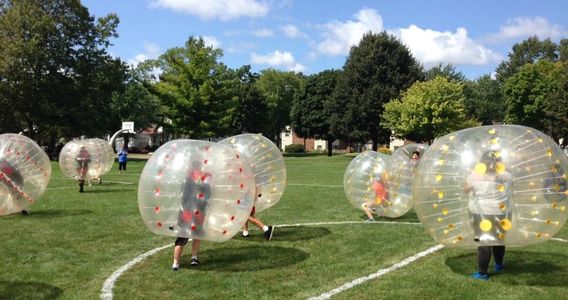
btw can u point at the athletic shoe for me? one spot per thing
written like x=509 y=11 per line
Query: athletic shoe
x=175 y=267
x=268 y=233
x=245 y=235
x=370 y=220
x=478 y=275
x=194 y=262
x=499 y=268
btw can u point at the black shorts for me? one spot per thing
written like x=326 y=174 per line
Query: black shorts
x=181 y=241
x=122 y=166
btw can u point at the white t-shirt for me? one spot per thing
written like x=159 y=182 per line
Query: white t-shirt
x=491 y=194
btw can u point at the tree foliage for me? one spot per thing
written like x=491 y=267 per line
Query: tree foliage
x=310 y=110
x=484 y=100
x=249 y=114
x=528 y=51
x=428 y=110
x=56 y=77
x=376 y=71
x=448 y=71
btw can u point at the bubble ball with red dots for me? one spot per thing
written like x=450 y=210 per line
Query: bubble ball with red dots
x=86 y=159
x=267 y=164
x=492 y=185
x=196 y=189
x=25 y=171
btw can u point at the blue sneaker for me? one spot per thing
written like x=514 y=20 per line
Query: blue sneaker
x=478 y=275
x=499 y=268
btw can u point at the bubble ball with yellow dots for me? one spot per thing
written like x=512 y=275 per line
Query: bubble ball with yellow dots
x=196 y=189
x=25 y=171
x=404 y=162
x=267 y=164
x=492 y=185
x=366 y=184
x=86 y=159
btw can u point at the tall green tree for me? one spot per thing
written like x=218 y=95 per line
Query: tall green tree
x=531 y=94
x=191 y=88
x=484 y=100
x=556 y=108
x=310 y=110
x=428 y=110
x=528 y=51
x=278 y=88
x=376 y=71
x=249 y=114
x=55 y=74
x=448 y=71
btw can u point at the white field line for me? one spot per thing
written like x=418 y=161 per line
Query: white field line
x=560 y=240
x=377 y=274
x=106 y=291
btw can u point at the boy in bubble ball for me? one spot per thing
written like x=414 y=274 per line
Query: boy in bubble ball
x=380 y=199
x=10 y=178
x=268 y=230
x=196 y=192
x=490 y=209
x=83 y=159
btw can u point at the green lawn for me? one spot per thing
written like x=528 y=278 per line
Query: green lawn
x=70 y=243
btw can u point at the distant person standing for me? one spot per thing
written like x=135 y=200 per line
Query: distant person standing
x=122 y=159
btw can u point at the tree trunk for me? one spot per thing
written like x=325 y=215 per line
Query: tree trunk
x=329 y=146
x=375 y=145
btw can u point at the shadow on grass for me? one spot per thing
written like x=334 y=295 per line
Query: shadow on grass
x=408 y=217
x=28 y=290
x=522 y=268
x=288 y=234
x=248 y=258
x=54 y=213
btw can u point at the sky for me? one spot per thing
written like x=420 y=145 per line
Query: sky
x=310 y=36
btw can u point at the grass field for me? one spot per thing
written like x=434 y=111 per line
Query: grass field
x=70 y=243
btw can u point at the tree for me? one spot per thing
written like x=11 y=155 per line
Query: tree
x=250 y=109
x=556 y=109
x=55 y=74
x=528 y=51
x=376 y=71
x=310 y=110
x=448 y=71
x=531 y=97
x=278 y=88
x=191 y=89
x=484 y=100
x=428 y=110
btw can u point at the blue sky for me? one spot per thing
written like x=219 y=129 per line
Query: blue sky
x=314 y=35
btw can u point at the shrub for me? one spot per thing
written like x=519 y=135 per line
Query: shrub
x=294 y=148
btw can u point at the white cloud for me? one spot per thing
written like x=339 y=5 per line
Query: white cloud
x=240 y=47
x=338 y=37
x=525 y=26
x=263 y=33
x=292 y=31
x=151 y=51
x=223 y=10
x=432 y=47
x=211 y=41
x=277 y=58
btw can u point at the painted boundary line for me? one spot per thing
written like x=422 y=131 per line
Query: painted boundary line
x=377 y=274
x=560 y=240
x=106 y=291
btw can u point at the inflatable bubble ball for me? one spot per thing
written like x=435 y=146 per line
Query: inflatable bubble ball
x=403 y=161
x=86 y=159
x=492 y=185
x=267 y=164
x=366 y=184
x=25 y=170
x=196 y=189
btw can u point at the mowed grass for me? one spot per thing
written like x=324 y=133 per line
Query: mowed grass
x=70 y=243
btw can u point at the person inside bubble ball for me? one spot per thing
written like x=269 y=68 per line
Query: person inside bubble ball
x=10 y=179
x=555 y=184
x=268 y=230
x=196 y=192
x=83 y=159
x=489 y=186
x=380 y=199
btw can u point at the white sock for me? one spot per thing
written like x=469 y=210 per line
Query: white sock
x=194 y=257
x=245 y=232
x=265 y=228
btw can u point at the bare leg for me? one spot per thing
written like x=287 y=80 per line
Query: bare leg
x=195 y=247
x=256 y=222
x=178 y=250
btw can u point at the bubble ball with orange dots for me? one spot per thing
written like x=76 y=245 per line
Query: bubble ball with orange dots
x=404 y=162
x=267 y=164
x=196 y=189
x=86 y=159
x=492 y=185
x=25 y=171
x=366 y=184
